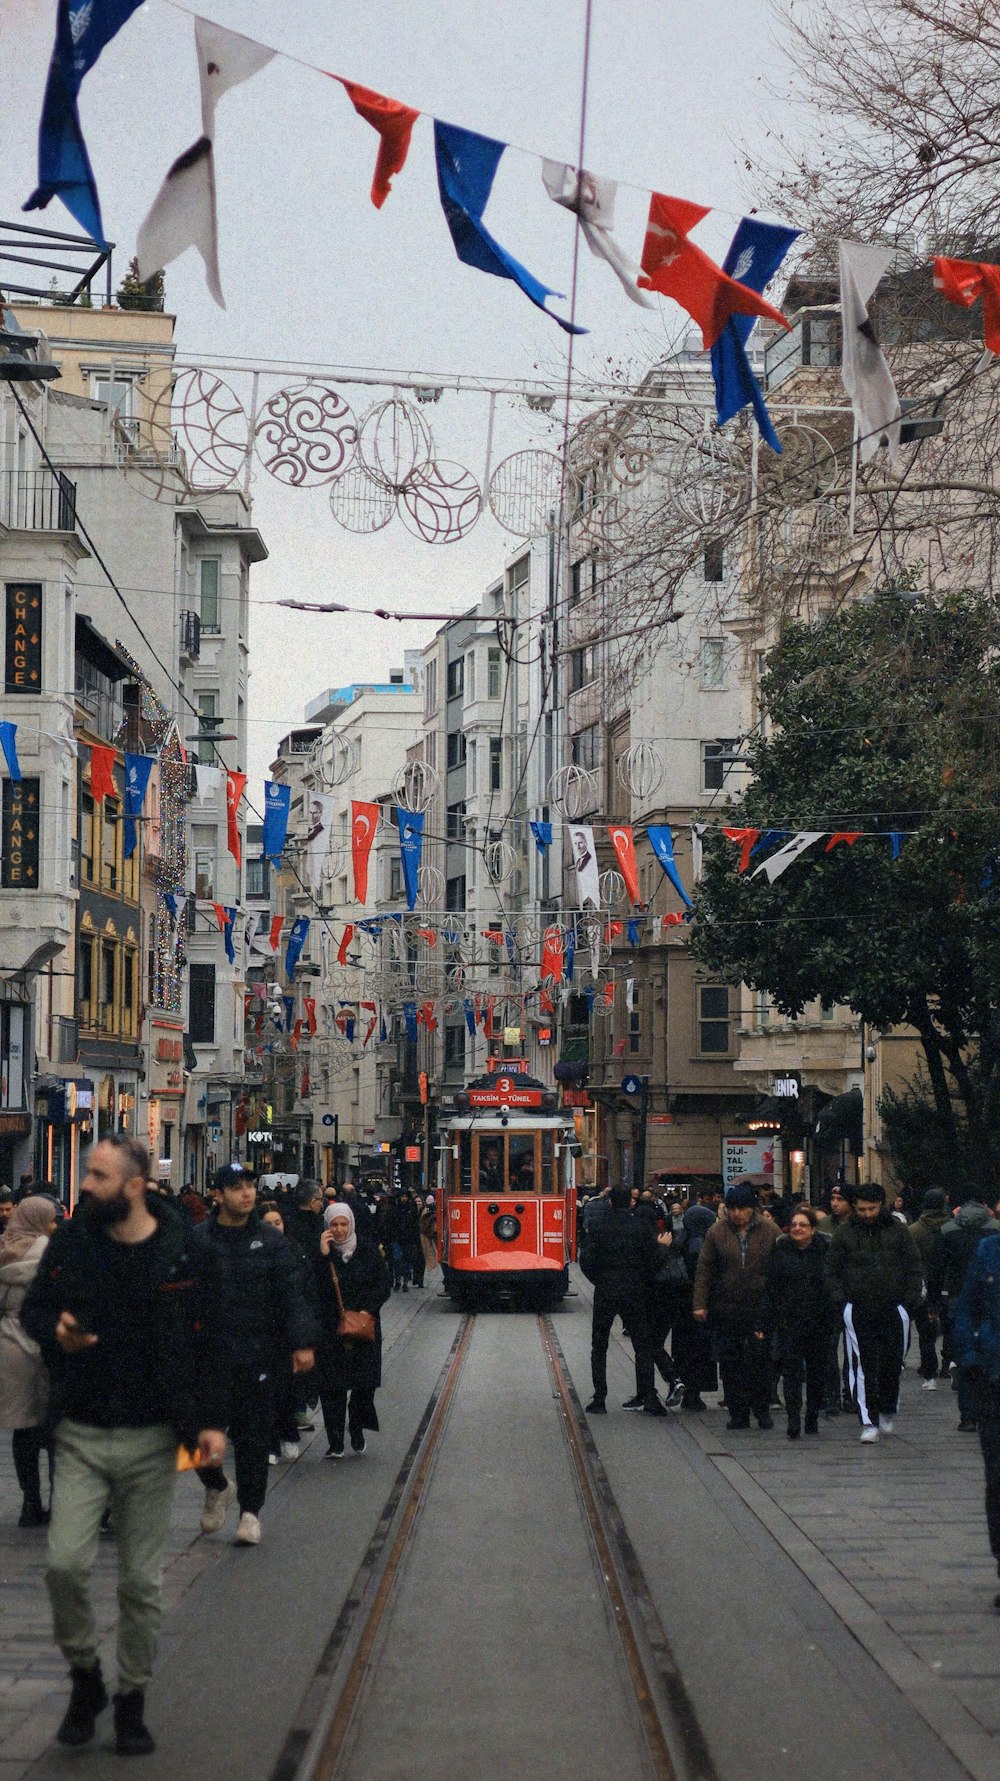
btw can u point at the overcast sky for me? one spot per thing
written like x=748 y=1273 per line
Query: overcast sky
x=312 y=272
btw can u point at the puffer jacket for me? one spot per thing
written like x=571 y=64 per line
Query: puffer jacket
x=269 y=1310
x=976 y=1324
x=620 y=1256
x=796 y=1297
x=725 y=1286
x=960 y=1238
x=24 y=1382
x=874 y=1266
x=926 y=1234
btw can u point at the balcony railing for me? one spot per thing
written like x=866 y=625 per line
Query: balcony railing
x=37 y=501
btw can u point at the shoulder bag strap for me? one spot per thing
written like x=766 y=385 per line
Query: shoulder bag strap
x=336 y=1288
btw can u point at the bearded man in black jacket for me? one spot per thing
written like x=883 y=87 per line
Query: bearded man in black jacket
x=620 y=1257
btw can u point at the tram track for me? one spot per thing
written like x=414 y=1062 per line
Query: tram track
x=319 y=1743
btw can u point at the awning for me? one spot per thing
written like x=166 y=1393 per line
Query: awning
x=843 y=1117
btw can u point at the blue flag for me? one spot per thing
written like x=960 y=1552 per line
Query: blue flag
x=411 y=844
x=896 y=839
x=410 y=1018
x=296 y=941
x=466 y=169
x=542 y=832
x=8 y=733
x=288 y=1002
x=755 y=253
x=632 y=932
x=228 y=931
x=277 y=803
x=138 y=767
x=469 y=1007
x=83 y=29
x=661 y=841
x=570 y=954
x=770 y=838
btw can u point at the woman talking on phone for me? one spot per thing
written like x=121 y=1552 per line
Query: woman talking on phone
x=353 y=1284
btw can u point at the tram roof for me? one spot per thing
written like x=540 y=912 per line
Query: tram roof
x=497 y=1119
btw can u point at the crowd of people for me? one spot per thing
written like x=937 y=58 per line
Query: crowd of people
x=149 y=1332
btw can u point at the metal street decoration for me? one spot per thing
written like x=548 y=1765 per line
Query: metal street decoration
x=415 y=786
x=440 y=502
x=639 y=770
x=305 y=436
x=394 y=442
x=524 y=492
x=573 y=790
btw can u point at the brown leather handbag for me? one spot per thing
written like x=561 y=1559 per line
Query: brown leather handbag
x=354 y=1326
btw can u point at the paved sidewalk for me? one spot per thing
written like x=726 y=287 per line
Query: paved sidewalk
x=33 y=1688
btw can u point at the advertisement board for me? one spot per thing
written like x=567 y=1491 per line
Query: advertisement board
x=747 y=1156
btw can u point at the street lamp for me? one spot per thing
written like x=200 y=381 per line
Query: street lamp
x=15 y=364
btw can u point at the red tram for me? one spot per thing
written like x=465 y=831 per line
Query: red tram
x=506 y=1204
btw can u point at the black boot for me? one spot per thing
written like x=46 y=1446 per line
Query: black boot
x=32 y=1513
x=89 y=1697
x=794 y=1427
x=131 y=1735
x=812 y=1422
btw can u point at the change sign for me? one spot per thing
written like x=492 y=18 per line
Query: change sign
x=23 y=642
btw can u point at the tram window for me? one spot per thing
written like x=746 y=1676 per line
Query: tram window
x=490 y=1166
x=465 y=1162
x=550 y=1164
x=521 y=1163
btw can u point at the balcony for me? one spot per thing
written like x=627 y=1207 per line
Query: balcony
x=37 y=501
x=190 y=636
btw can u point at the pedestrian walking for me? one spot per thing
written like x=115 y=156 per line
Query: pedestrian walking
x=669 y=1297
x=129 y=1311
x=24 y=1382
x=960 y=1239
x=976 y=1334
x=270 y=1320
x=926 y=1234
x=620 y=1257
x=351 y=1278
x=796 y=1306
x=402 y=1234
x=729 y=1283
x=873 y=1270
x=428 y=1234
x=6 y=1208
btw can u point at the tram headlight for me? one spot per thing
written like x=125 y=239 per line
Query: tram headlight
x=507 y=1227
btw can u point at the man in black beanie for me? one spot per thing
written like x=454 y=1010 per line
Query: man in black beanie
x=728 y=1287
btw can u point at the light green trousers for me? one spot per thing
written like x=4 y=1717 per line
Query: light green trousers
x=132 y=1471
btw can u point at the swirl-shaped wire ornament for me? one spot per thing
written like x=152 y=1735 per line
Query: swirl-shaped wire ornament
x=334 y=759
x=359 y=503
x=394 y=442
x=639 y=770
x=306 y=435
x=573 y=790
x=612 y=888
x=415 y=786
x=708 y=479
x=440 y=502
x=524 y=492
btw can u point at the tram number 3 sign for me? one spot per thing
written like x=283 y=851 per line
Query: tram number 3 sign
x=505 y=1092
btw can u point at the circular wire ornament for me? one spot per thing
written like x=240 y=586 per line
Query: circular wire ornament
x=210 y=425
x=359 y=503
x=808 y=468
x=394 y=442
x=306 y=436
x=708 y=479
x=334 y=760
x=501 y=860
x=440 y=503
x=430 y=886
x=524 y=492
x=415 y=786
x=612 y=888
x=640 y=770
x=573 y=790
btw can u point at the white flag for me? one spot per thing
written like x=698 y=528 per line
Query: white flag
x=630 y=994
x=866 y=375
x=183 y=213
x=320 y=816
x=592 y=199
x=208 y=780
x=779 y=862
x=697 y=862
x=583 y=855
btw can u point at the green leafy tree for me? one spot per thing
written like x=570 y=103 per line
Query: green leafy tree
x=886 y=718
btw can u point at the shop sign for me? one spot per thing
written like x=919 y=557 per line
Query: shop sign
x=412 y=1153
x=19 y=842
x=260 y=1137
x=23 y=656
x=746 y=1156
x=785 y=1088
x=576 y=1097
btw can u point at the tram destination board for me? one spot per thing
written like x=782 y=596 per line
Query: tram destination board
x=505 y=1092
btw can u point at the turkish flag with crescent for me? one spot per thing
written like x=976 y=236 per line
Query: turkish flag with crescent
x=674 y=266
x=309 y=1004
x=552 y=955
x=364 y=821
x=235 y=784
x=962 y=281
x=745 y=840
x=102 y=773
x=623 y=842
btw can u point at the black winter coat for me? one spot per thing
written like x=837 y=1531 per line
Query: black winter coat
x=191 y=1317
x=270 y=1310
x=402 y=1223
x=874 y=1266
x=796 y=1299
x=620 y=1256
x=365 y=1285
x=960 y=1238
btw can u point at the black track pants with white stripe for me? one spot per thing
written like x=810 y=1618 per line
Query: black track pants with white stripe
x=876 y=1343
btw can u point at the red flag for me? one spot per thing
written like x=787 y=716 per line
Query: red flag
x=612 y=931
x=428 y=934
x=552 y=956
x=394 y=123
x=488 y=1016
x=609 y=995
x=235 y=783
x=847 y=836
x=275 y=935
x=545 y=1002
x=309 y=1004
x=295 y=1035
x=345 y=941
x=674 y=265
x=364 y=821
x=426 y=1014
x=221 y=917
x=102 y=773
x=373 y=1011
x=745 y=840
x=623 y=842
x=962 y=281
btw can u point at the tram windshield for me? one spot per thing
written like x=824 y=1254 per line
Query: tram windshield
x=518 y=1162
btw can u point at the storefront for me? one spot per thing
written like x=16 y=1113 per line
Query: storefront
x=15 y=1116
x=64 y=1130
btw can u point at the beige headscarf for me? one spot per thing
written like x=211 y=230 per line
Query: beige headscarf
x=28 y=1221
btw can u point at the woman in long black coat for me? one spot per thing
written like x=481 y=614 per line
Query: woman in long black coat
x=349 y=1372
x=796 y=1305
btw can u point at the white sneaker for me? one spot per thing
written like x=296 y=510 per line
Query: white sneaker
x=272 y=1459
x=887 y=1424
x=217 y=1502
x=869 y=1432
x=248 y=1531
x=290 y=1450
x=929 y=1385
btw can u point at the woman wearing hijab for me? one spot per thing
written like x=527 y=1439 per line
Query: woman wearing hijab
x=350 y=1276
x=24 y=1382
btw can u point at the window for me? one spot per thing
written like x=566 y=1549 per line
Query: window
x=85 y=983
x=470 y=677
x=209 y=605
x=258 y=878
x=112 y=842
x=762 y=1008
x=496 y=763
x=635 y=1019
x=827 y=1010
x=581 y=668
x=714 y=561
x=518 y=576
x=204 y=841
x=587 y=747
x=456 y=677
x=395 y=879
x=582 y=579
x=119 y=395
x=108 y=979
x=454 y=1046
x=455 y=822
x=471 y=768
x=715 y=764
x=713 y=663
x=454 y=893
x=713 y=1019
x=431 y=748
x=430 y=688
x=88 y=839
x=208 y=720
x=201 y=1004
x=129 y=982
x=456 y=748
x=493 y=674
